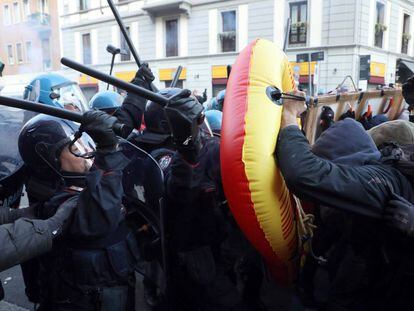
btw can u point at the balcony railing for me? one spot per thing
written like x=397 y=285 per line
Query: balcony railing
x=39 y=19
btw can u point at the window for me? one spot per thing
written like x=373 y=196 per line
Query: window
x=126 y=53
x=179 y=84
x=29 y=51
x=10 y=55
x=228 y=33
x=47 y=62
x=19 y=53
x=43 y=6
x=6 y=15
x=406 y=36
x=66 y=7
x=26 y=8
x=171 y=38
x=16 y=12
x=84 y=5
x=299 y=25
x=380 y=26
x=87 y=55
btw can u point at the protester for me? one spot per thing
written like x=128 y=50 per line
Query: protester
x=363 y=191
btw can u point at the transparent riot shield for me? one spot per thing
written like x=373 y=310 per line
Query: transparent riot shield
x=143 y=183
x=11 y=164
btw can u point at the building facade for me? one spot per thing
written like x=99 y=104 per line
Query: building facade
x=368 y=40
x=203 y=36
x=29 y=40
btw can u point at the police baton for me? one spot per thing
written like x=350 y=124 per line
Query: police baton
x=176 y=76
x=126 y=37
x=129 y=87
x=118 y=128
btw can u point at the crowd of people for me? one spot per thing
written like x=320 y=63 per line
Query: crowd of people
x=104 y=207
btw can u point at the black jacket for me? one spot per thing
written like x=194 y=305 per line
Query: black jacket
x=363 y=190
x=131 y=112
x=97 y=250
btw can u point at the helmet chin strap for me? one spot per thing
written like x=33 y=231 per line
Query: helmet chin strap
x=64 y=176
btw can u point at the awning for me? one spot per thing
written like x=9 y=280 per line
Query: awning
x=125 y=75
x=305 y=79
x=377 y=69
x=87 y=80
x=302 y=69
x=167 y=74
x=376 y=80
x=167 y=7
x=219 y=72
x=409 y=65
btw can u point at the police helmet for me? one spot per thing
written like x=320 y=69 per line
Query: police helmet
x=154 y=116
x=214 y=118
x=42 y=140
x=107 y=101
x=220 y=99
x=211 y=104
x=57 y=91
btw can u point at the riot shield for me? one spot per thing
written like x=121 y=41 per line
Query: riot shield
x=11 y=164
x=143 y=183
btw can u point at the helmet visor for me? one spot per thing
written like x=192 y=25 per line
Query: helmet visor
x=83 y=147
x=70 y=97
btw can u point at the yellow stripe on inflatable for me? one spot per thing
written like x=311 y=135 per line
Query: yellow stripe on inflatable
x=254 y=187
x=263 y=120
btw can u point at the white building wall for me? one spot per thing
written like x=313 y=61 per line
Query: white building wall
x=343 y=29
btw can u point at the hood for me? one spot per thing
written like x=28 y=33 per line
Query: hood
x=346 y=142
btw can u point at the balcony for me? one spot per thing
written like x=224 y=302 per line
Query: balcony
x=40 y=22
x=167 y=7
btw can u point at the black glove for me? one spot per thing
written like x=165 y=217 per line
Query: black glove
x=58 y=222
x=98 y=125
x=185 y=115
x=144 y=76
x=399 y=214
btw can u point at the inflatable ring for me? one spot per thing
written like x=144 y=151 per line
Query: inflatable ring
x=253 y=184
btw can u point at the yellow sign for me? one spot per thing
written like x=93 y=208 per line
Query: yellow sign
x=219 y=72
x=167 y=74
x=377 y=69
x=125 y=75
x=84 y=79
x=303 y=68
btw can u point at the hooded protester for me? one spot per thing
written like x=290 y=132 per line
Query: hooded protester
x=362 y=188
x=331 y=238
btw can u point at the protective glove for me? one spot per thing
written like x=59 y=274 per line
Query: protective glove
x=144 y=76
x=399 y=214
x=98 y=125
x=185 y=115
x=58 y=222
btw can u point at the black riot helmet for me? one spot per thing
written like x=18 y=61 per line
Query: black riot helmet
x=154 y=115
x=41 y=141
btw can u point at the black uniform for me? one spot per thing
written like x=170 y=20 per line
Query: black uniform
x=91 y=267
x=203 y=274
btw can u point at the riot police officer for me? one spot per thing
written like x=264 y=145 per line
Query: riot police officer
x=107 y=101
x=91 y=267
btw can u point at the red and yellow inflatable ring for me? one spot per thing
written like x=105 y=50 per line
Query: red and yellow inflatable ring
x=254 y=187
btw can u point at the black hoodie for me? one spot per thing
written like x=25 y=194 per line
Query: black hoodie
x=361 y=189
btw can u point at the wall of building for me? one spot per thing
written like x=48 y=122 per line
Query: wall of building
x=29 y=31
